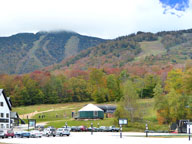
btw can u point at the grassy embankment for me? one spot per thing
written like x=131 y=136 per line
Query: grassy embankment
x=63 y=112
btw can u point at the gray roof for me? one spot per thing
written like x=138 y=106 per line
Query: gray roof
x=107 y=107
x=14 y=115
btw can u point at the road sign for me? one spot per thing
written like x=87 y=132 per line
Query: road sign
x=123 y=121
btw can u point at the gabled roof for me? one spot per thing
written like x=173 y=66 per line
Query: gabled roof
x=90 y=107
x=107 y=107
x=7 y=101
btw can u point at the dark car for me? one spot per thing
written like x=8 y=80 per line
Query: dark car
x=94 y=129
x=40 y=127
x=113 y=129
x=75 y=129
x=83 y=128
x=9 y=133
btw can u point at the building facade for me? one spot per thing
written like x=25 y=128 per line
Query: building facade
x=5 y=110
x=90 y=111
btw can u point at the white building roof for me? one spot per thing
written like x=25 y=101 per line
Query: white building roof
x=90 y=107
x=7 y=101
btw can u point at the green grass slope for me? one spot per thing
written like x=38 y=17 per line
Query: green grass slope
x=150 y=48
x=63 y=112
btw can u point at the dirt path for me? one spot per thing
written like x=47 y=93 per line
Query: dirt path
x=30 y=115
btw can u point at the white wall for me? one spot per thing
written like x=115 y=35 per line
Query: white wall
x=5 y=110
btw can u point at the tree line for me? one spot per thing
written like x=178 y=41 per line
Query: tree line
x=97 y=85
x=172 y=94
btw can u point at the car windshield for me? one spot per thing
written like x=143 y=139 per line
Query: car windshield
x=52 y=129
x=9 y=131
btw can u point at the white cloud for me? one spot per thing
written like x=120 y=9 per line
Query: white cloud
x=102 y=18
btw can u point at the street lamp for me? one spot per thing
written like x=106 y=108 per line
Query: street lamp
x=146 y=130
x=91 y=128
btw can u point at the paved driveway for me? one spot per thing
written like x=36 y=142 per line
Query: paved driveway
x=98 y=138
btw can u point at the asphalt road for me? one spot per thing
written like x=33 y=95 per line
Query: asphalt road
x=98 y=138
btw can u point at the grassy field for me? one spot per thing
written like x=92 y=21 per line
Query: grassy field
x=150 y=48
x=44 y=107
x=61 y=113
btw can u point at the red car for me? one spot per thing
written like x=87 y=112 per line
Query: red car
x=83 y=128
x=9 y=133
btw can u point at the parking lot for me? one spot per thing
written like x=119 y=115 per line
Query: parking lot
x=98 y=138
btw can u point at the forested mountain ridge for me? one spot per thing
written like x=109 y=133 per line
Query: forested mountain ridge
x=140 y=48
x=26 y=52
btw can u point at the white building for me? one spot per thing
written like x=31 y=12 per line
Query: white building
x=5 y=110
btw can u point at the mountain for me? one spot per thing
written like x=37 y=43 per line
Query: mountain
x=26 y=52
x=142 y=48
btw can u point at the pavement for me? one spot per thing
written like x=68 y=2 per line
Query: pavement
x=99 y=138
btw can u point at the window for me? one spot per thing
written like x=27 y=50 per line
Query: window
x=7 y=125
x=2 y=115
x=95 y=113
x=1 y=104
x=7 y=115
x=2 y=126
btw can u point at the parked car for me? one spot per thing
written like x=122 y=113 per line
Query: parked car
x=22 y=134
x=104 y=129
x=83 y=128
x=63 y=131
x=9 y=133
x=113 y=129
x=75 y=129
x=49 y=132
x=94 y=129
x=35 y=133
x=17 y=133
x=40 y=127
x=67 y=127
x=2 y=134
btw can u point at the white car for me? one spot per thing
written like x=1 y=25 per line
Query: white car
x=49 y=132
x=68 y=127
x=35 y=133
x=2 y=134
x=63 y=131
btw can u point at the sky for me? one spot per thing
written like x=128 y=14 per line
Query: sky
x=99 y=18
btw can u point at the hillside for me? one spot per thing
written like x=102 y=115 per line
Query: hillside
x=26 y=52
x=135 y=49
x=64 y=115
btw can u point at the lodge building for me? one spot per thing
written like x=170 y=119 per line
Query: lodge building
x=5 y=110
